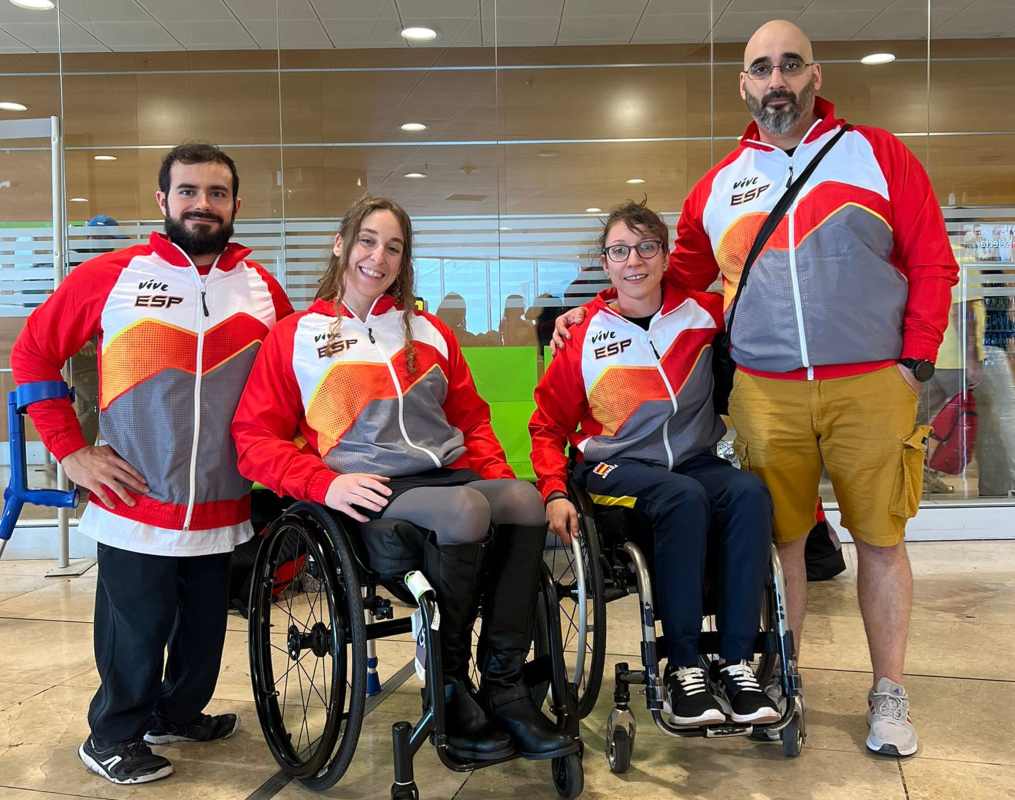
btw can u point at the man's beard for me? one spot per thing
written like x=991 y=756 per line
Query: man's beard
x=202 y=240
x=780 y=121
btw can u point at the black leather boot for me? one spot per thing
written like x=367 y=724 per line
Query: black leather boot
x=453 y=571
x=508 y=622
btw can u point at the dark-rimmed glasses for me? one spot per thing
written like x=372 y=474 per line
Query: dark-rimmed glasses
x=618 y=253
x=790 y=68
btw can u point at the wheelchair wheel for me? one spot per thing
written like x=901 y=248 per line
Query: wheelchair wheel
x=792 y=738
x=308 y=646
x=568 y=776
x=619 y=748
x=582 y=611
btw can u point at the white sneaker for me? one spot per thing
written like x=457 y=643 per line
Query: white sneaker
x=891 y=730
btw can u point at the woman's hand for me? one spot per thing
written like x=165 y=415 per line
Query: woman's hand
x=357 y=489
x=562 y=519
x=565 y=321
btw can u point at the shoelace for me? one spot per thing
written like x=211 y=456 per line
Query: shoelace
x=743 y=677
x=691 y=679
x=890 y=706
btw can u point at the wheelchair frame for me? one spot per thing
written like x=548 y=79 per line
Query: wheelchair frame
x=351 y=590
x=774 y=643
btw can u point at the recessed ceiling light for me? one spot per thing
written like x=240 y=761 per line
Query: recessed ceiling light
x=10 y=105
x=505 y=228
x=547 y=154
x=79 y=200
x=414 y=175
x=878 y=58
x=635 y=180
x=33 y=5
x=104 y=158
x=412 y=127
x=593 y=210
x=419 y=34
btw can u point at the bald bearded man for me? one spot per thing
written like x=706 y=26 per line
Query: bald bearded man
x=839 y=321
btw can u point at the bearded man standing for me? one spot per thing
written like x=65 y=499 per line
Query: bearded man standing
x=839 y=322
x=178 y=322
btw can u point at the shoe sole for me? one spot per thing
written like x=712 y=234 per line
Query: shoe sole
x=172 y=738
x=713 y=717
x=887 y=749
x=96 y=767
x=559 y=753
x=764 y=716
x=470 y=755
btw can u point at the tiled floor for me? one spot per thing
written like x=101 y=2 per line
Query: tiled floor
x=962 y=682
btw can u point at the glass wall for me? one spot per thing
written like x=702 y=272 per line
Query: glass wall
x=506 y=135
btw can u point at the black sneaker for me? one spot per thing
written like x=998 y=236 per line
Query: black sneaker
x=205 y=728
x=127 y=762
x=691 y=703
x=748 y=701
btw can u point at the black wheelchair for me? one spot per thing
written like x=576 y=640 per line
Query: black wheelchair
x=612 y=564
x=312 y=584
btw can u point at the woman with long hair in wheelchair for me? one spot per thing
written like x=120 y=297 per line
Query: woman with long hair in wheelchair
x=632 y=392
x=393 y=427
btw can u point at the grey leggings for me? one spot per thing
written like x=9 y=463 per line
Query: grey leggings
x=462 y=514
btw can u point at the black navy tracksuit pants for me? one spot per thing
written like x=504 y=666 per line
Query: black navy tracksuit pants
x=142 y=604
x=704 y=496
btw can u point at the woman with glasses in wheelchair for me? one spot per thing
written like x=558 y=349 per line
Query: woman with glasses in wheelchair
x=393 y=427
x=632 y=392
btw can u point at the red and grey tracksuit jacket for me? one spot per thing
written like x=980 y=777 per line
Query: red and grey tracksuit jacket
x=619 y=391
x=175 y=348
x=856 y=275
x=351 y=396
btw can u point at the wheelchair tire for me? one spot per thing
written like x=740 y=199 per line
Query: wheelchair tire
x=568 y=775
x=561 y=563
x=311 y=728
x=792 y=738
x=619 y=750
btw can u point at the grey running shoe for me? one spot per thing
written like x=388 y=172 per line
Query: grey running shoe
x=892 y=732
x=129 y=762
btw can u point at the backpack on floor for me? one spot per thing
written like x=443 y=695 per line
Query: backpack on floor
x=265 y=508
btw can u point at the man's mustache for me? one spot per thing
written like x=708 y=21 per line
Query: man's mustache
x=778 y=94
x=204 y=217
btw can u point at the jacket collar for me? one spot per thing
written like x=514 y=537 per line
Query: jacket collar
x=673 y=296
x=171 y=253
x=381 y=305
x=827 y=121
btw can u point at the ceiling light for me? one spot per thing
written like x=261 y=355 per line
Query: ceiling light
x=79 y=200
x=547 y=154
x=635 y=180
x=505 y=228
x=413 y=127
x=10 y=105
x=33 y=5
x=593 y=210
x=878 y=58
x=419 y=34
x=414 y=175
x=104 y=158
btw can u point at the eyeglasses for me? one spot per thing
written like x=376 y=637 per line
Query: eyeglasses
x=618 y=253
x=791 y=67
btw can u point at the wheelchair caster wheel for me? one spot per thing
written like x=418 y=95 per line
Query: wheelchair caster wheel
x=792 y=738
x=619 y=749
x=569 y=776
x=404 y=791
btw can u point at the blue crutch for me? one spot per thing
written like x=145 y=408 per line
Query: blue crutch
x=17 y=492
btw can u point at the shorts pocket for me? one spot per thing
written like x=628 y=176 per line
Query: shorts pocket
x=909 y=478
x=740 y=449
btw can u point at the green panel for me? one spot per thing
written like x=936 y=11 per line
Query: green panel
x=506 y=378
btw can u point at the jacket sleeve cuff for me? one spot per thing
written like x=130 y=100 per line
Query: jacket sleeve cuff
x=913 y=347
x=551 y=487
x=319 y=485
x=64 y=445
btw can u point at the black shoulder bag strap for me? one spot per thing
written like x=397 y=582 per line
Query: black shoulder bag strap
x=775 y=217
x=723 y=364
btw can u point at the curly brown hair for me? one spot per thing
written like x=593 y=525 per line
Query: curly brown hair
x=332 y=283
x=634 y=216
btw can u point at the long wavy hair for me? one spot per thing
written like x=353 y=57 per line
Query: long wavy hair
x=332 y=284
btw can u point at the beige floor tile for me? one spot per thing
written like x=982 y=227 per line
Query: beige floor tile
x=927 y=779
x=15 y=584
x=63 y=599
x=28 y=566
x=33 y=651
x=10 y=793
x=672 y=770
x=13 y=693
x=39 y=741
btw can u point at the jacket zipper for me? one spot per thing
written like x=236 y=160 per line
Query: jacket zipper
x=794 y=279
x=198 y=374
x=401 y=398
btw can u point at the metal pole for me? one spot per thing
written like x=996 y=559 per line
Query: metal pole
x=59 y=236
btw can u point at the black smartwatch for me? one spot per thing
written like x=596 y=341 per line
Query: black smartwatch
x=922 y=369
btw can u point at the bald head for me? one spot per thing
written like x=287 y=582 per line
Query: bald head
x=775 y=39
